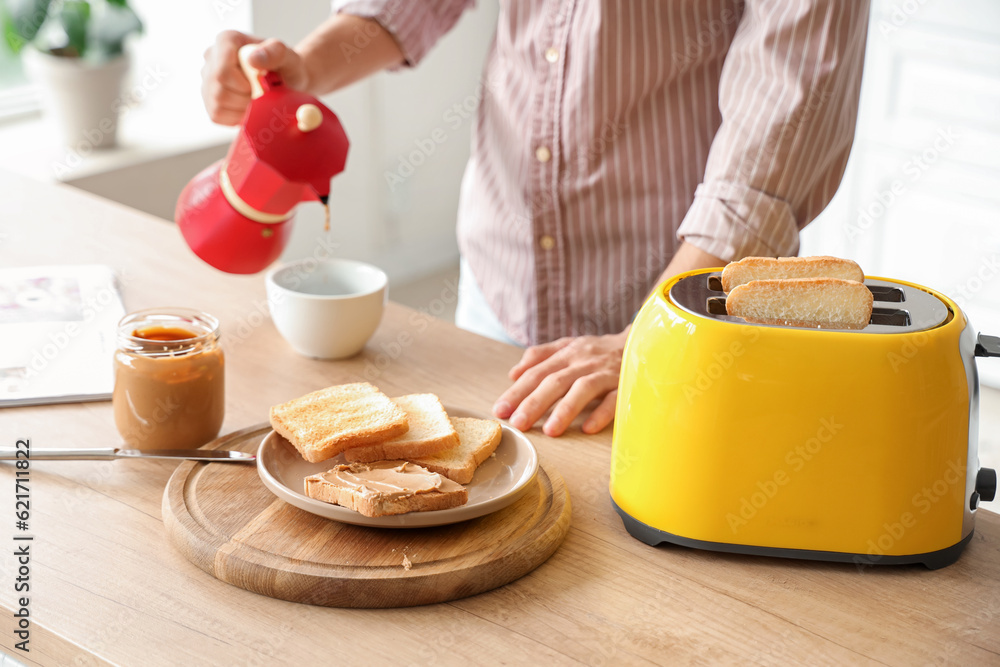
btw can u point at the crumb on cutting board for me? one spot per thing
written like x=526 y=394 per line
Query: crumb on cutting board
x=406 y=563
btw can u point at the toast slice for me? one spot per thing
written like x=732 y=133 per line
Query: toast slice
x=478 y=438
x=385 y=488
x=825 y=303
x=769 y=268
x=326 y=422
x=430 y=431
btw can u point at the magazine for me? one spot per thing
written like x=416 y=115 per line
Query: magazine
x=57 y=325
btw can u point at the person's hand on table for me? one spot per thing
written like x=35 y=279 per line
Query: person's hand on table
x=569 y=374
x=225 y=89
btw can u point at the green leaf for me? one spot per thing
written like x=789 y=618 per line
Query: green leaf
x=111 y=25
x=11 y=37
x=75 y=16
x=22 y=19
x=118 y=3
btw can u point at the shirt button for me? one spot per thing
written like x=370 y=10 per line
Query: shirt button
x=543 y=154
x=547 y=242
x=552 y=54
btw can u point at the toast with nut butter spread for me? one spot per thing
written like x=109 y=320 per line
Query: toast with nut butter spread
x=385 y=488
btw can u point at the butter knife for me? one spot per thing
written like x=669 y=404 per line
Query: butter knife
x=108 y=453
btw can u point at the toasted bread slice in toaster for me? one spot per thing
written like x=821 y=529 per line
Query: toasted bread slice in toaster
x=770 y=268
x=824 y=303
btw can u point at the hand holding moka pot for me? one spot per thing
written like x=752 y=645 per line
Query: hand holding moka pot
x=235 y=214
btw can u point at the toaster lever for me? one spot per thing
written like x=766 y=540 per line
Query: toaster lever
x=987 y=346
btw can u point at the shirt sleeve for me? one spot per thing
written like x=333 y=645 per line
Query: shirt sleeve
x=788 y=95
x=415 y=24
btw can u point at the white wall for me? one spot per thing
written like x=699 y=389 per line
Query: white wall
x=409 y=229
x=920 y=198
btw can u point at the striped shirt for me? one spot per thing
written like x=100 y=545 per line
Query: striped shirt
x=608 y=131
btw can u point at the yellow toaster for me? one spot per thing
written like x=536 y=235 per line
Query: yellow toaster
x=856 y=446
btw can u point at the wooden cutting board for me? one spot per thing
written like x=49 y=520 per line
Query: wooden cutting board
x=225 y=521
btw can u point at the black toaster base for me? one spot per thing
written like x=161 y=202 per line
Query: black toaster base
x=652 y=536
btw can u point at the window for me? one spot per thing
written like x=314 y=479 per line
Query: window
x=17 y=96
x=176 y=33
x=11 y=74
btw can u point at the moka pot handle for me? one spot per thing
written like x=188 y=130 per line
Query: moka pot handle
x=260 y=80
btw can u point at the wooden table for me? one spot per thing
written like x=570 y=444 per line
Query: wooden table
x=106 y=586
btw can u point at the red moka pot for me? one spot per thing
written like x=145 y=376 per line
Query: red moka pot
x=236 y=214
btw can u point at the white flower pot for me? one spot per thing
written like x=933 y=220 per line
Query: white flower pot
x=83 y=98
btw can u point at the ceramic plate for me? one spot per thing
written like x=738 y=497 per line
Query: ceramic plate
x=498 y=482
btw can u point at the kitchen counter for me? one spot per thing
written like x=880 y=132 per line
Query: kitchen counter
x=107 y=586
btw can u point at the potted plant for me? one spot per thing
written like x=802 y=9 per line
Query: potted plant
x=76 y=50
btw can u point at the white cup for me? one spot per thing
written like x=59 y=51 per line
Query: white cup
x=326 y=309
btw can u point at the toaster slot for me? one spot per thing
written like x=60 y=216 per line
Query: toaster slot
x=898 y=308
x=884 y=293
x=887 y=294
x=891 y=317
x=716 y=305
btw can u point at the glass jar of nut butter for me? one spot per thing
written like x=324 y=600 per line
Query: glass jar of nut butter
x=169 y=379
